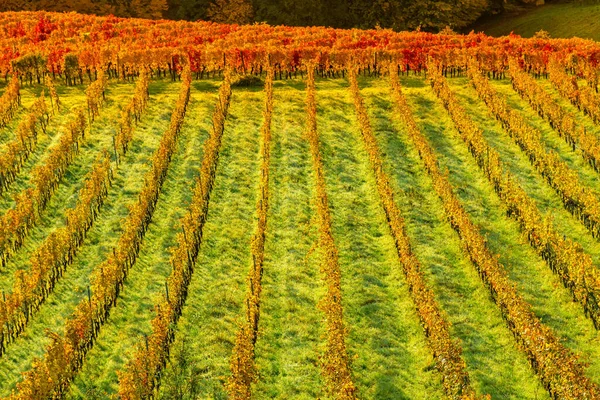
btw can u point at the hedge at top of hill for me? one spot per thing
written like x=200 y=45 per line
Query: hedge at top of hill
x=430 y=15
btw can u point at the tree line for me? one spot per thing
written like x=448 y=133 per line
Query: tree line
x=428 y=15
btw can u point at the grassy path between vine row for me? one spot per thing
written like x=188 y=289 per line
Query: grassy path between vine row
x=28 y=96
x=518 y=164
x=539 y=286
x=390 y=356
x=96 y=138
x=291 y=328
x=494 y=363
x=209 y=322
x=130 y=320
x=551 y=139
x=387 y=347
x=66 y=195
x=103 y=236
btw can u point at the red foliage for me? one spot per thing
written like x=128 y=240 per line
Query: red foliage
x=42 y=29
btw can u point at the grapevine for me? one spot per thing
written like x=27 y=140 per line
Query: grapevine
x=558 y=368
x=141 y=375
x=54 y=99
x=335 y=363
x=447 y=352
x=561 y=120
x=59 y=249
x=50 y=376
x=15 y=224
x=10 y=101
x=17 y=151
x=583 y=97
x=577 y=199
x=242 y=360
x=564 y=257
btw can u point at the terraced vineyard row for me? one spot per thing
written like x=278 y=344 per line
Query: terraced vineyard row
x=392 y=236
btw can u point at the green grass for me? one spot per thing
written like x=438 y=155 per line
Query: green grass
x=291 y=327
x=72 y=97
x=389 y=355
x=384 y=329
x=101 y=238
x=97 y=140
x=495 y=366
x=551 y=302
x=561 y=20
x=215 y=301
x=28 y=96
x=147 y=278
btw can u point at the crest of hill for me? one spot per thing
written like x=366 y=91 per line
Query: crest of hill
x=76 y=44
x=560 y=20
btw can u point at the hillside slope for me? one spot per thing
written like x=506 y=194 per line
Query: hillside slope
x=561 y=20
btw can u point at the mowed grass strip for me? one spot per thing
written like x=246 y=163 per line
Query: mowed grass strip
x=98 y=139
x=404 y=365
x=74 y=96
x=29 y=94
x=72 y=288
x=141 y=376
x=51 y=376
x=535 y=282
x=62 y=162
x=538 y=285
x=581 y=200
x=517 y=164
x=334 y=361
x=563 y=122
x=558 y=368
x=395 y=363
x=494 y=364
x=243 y=369
x=581 y=116
x=212 y=315
x=130 y=320
x=550 y=138
x=446 y=351
x=17 y=151
x=286 y=352
x=564 y=257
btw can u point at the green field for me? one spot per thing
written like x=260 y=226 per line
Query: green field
x=560 y=20
x=389 y=355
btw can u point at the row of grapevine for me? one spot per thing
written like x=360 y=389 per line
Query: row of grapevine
x=141 y=375
x=17 y=151
x=57 y=252
x=16 y=222
x=587 y=70
x=30 y=288
x=561 y=120
x=583 y=97
x=95 y=95
x=131 y=114
x=564 y=257
x=577 y=199
x=243 y=371
x=559 y=369
x=76 y=45
x=334 y=363
x=51 y=376
x=446 y=352
x=54 y=99
x=10 y=101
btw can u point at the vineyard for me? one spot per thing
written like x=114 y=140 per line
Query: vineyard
x=195 y=210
